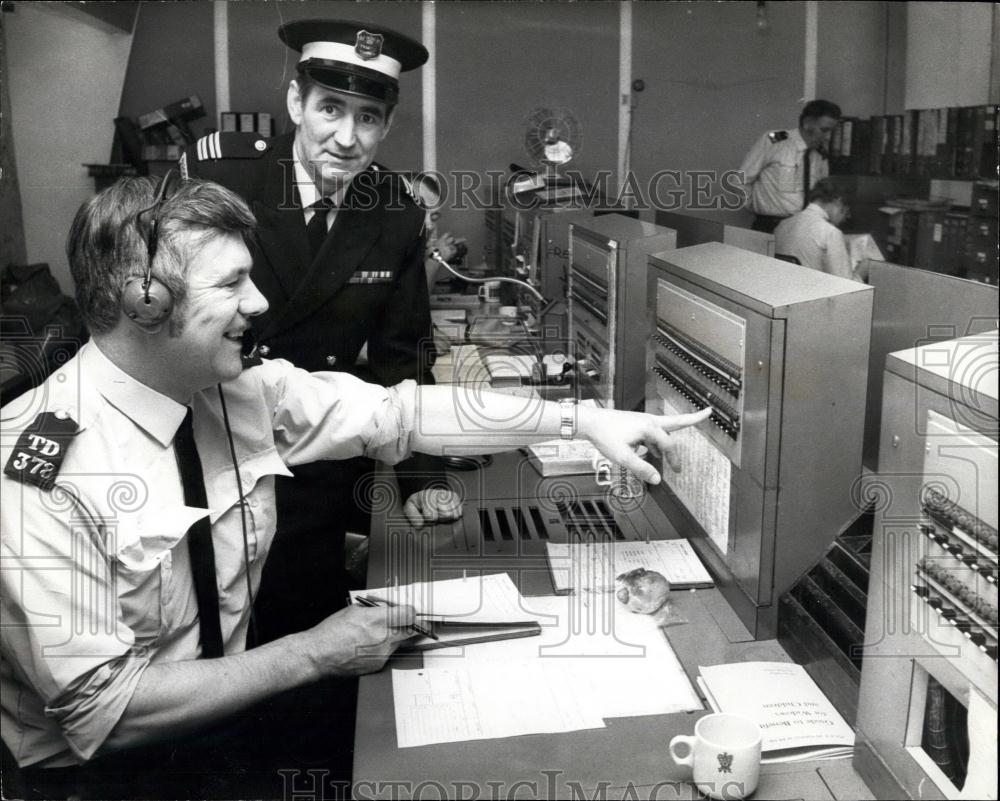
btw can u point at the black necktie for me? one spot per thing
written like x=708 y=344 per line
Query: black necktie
x=199 y=538
x=316 y=229
x=806 y=165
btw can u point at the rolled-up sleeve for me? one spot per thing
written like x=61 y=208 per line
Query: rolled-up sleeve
x=70 y=662
x=326 y=415
x=91 y=706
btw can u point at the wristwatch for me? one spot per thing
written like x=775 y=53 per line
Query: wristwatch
x=567 y=418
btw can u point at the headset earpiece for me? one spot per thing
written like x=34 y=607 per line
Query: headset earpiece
x=147 y=301
x=146 y=304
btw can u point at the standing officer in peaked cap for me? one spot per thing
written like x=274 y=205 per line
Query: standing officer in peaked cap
x=340 y=259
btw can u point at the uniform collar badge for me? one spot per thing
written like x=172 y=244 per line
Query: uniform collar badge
x=368 y=45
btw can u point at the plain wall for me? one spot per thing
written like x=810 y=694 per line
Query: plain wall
x=713 y=83
x=854 y=44
x=66 y=71
x=948 y=54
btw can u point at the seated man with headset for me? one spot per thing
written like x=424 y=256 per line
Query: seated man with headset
x=138 y=508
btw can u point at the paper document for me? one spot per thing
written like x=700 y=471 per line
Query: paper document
x=798 y=720
x=459 y=612
x=459 y=703
x=608 y=661
x=703 y=486
x=476 y=599
x=510 y=365
x=460 y=365
x=861 y=247
x=592 y=567
x=448 y=316
x=981 y=778
x=561 y=457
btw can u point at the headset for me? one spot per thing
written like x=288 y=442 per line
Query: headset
x=146 y=300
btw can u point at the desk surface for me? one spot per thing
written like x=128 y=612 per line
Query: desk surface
x=628 y=758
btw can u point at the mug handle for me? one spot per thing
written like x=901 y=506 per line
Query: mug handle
x=685 y=760
x=602 y=471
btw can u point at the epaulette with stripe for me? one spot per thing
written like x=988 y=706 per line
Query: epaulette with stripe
x=777 y=136
x=221 y=146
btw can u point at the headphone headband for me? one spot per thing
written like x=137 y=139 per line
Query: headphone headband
x=149 y=303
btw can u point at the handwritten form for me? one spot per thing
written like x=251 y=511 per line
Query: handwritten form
x=593 y=567
x=453 y=704
x=593 y=660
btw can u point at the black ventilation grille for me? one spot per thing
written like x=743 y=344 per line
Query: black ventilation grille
x=589 y=520
x=509 y=523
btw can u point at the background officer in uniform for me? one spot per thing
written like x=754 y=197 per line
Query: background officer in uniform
x=813 y=236
x=340 y=260
x=783 y=165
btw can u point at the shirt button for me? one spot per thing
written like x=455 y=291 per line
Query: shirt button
x=331 y=360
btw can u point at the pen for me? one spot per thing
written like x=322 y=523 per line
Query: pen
x=365 y=600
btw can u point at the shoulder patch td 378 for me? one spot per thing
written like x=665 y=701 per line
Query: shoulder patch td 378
x=39 y=452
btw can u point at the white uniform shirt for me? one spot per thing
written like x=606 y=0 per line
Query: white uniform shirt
x=810 y=237
x=94 y=590
x=772 y=173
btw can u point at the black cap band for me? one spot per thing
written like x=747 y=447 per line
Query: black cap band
x=344 y=77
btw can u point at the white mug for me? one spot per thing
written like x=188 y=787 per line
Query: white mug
x=490 y=292
x=724 y=755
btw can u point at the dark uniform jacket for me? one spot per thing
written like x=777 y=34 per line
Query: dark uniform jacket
x=366 y=284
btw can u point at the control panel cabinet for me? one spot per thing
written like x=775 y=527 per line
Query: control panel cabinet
x=927 y=711
x=780 y=353
x=607 y=302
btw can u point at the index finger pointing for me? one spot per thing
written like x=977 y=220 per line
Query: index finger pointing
x=673 y=422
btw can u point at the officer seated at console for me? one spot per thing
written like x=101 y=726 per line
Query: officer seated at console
x=138 y=510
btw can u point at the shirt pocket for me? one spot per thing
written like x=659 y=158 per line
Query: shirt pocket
x=143 y=560
x=789 y=177
x=256 y=514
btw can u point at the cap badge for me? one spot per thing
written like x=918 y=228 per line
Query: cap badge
x=368 y=45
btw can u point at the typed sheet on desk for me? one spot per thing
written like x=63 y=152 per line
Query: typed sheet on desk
x=455 y=704
x=593 y=660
